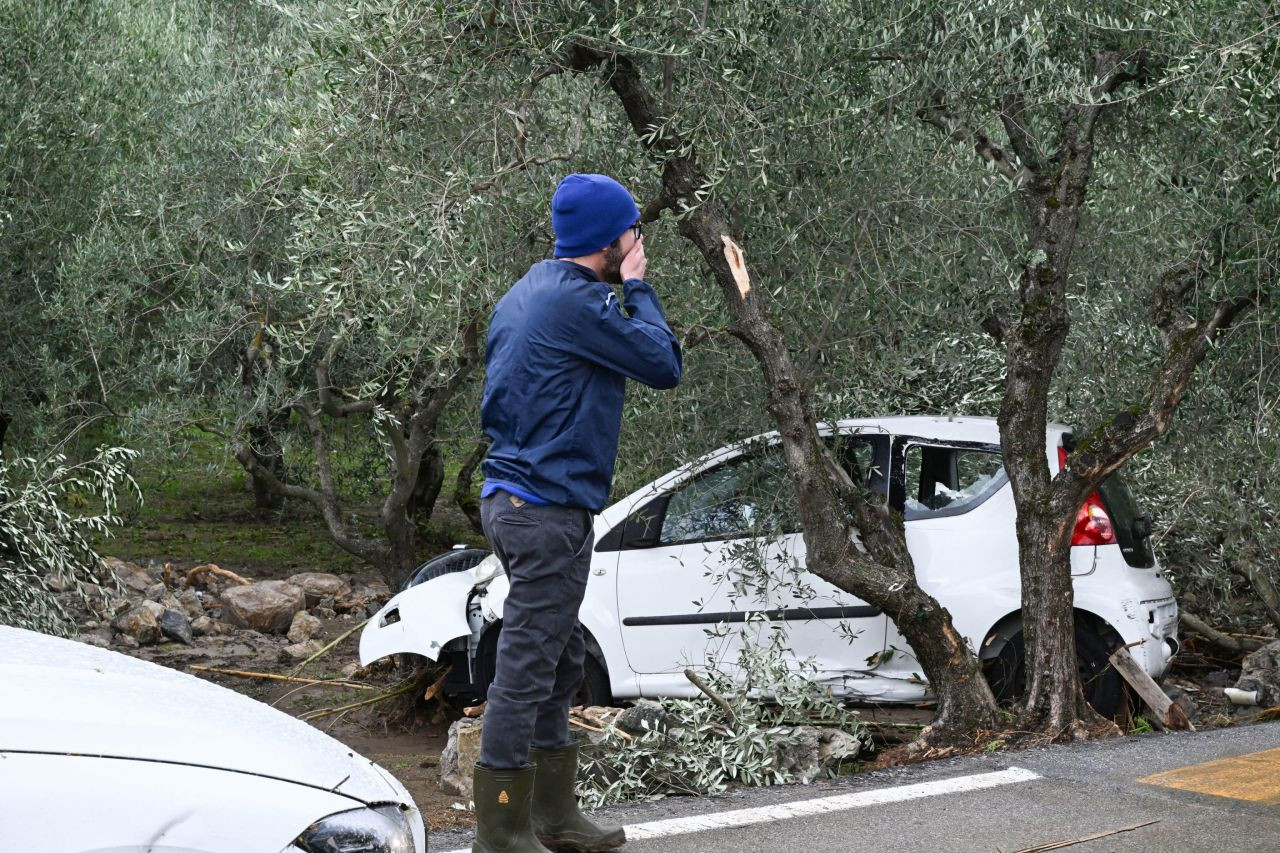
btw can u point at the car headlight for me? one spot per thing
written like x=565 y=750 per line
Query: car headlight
x=381 y=829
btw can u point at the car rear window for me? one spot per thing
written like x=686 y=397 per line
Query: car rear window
x=1133 y=529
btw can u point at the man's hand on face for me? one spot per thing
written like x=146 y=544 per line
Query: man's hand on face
x=634 y=264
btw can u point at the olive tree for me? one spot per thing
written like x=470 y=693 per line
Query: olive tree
x=1041 y=98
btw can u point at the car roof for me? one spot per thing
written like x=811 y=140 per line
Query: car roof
x=943 y=427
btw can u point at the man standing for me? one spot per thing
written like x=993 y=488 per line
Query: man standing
x=559 y=352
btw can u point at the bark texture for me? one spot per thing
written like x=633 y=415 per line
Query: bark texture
x=831 y=509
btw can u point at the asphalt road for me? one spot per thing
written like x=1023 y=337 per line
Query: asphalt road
x=1217 y=790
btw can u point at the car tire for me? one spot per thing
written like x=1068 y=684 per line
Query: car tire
x=594 y=689
x=1007 y=673
x=595 y=684
x=447 y=563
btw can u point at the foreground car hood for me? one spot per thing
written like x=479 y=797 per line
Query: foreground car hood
x=60 y=696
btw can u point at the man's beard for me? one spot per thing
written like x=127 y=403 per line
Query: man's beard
x=612 y=271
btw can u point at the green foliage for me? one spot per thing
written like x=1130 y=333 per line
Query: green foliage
x=51 y=511
x=701 y=750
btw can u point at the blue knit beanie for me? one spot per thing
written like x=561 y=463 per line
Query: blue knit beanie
x=588 y=212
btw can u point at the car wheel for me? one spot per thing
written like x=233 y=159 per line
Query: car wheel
x=445 y=564
x=595 y=684
x=594 y=689
x=1007 y=672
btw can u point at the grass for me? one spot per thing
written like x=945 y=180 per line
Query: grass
x=200 y=510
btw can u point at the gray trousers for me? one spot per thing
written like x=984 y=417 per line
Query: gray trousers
x=547 y=554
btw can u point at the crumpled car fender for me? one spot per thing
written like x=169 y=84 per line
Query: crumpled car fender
x=420 y=620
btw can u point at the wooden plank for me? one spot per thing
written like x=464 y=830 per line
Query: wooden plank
x=1167 y=713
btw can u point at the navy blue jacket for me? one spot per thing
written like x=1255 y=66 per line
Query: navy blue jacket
x=560 y=349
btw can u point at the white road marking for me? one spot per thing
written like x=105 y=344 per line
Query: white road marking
x=823 y=805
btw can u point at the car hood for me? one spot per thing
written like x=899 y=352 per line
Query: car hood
x=61 y=696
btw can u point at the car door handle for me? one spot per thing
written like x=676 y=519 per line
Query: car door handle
x=598 y=572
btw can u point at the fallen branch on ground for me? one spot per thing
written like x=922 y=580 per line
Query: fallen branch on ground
x=436 y=686
x=1055 y=845
x=711 y=694
x=211 y=569
x=297 y=669
x=244 y=673
x=382 y=697
x=1221 y=639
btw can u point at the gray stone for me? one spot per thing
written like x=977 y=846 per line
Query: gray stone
x=142 y=623
x=192 y=603
x=325 y=613
x=203 y=626
x=95 y=640
x=156 y=591
x=131 y=575
x=1261 y=673
x=796 y=754
x=458 y=760
x=57 y=583
x=835 y=746
x=644 y=716
x=319 y=585
x=304 y=627
x=301 y=651
x=127 y=641
x=266 y=606
x=175 y=625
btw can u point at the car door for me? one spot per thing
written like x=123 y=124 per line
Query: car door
x=957 y=515
x=718 y=562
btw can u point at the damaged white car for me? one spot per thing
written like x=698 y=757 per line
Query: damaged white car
x=103 y=753
x=691 y=567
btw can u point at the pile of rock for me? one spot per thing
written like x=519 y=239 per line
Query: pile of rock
x=158 y=605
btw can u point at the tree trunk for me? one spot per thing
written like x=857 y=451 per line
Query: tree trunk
x=264 y=442
x=427 y=485
x=463 y=496
x=885 y=576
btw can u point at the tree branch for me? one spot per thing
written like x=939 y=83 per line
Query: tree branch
x=1013 y=115
x=1121 y=437
x=324 y=386
x=939 y=115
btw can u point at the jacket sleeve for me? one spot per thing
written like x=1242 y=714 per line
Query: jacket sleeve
x=639 y=345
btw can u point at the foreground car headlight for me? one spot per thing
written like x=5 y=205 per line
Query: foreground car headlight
x=382 y=829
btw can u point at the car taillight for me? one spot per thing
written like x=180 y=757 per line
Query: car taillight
x=1093 y=525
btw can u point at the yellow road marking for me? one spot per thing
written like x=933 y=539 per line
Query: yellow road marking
x=1254 y=777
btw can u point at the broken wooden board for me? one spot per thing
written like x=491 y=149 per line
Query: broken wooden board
x=1167 y=713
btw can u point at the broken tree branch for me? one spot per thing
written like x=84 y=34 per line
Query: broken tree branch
x=1239 y=645
x=329 y=647
x=381 y=697
x=711 y=694
x=211 y=569
x=244 y=673
x=1057 y=845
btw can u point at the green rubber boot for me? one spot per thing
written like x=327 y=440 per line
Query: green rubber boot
x=503 y=799
x=556 y=818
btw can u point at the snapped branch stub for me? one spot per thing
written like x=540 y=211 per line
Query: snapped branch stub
x=737 y=265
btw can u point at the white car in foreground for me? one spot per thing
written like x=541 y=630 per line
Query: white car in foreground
x=103 y=753
x=668 y=587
